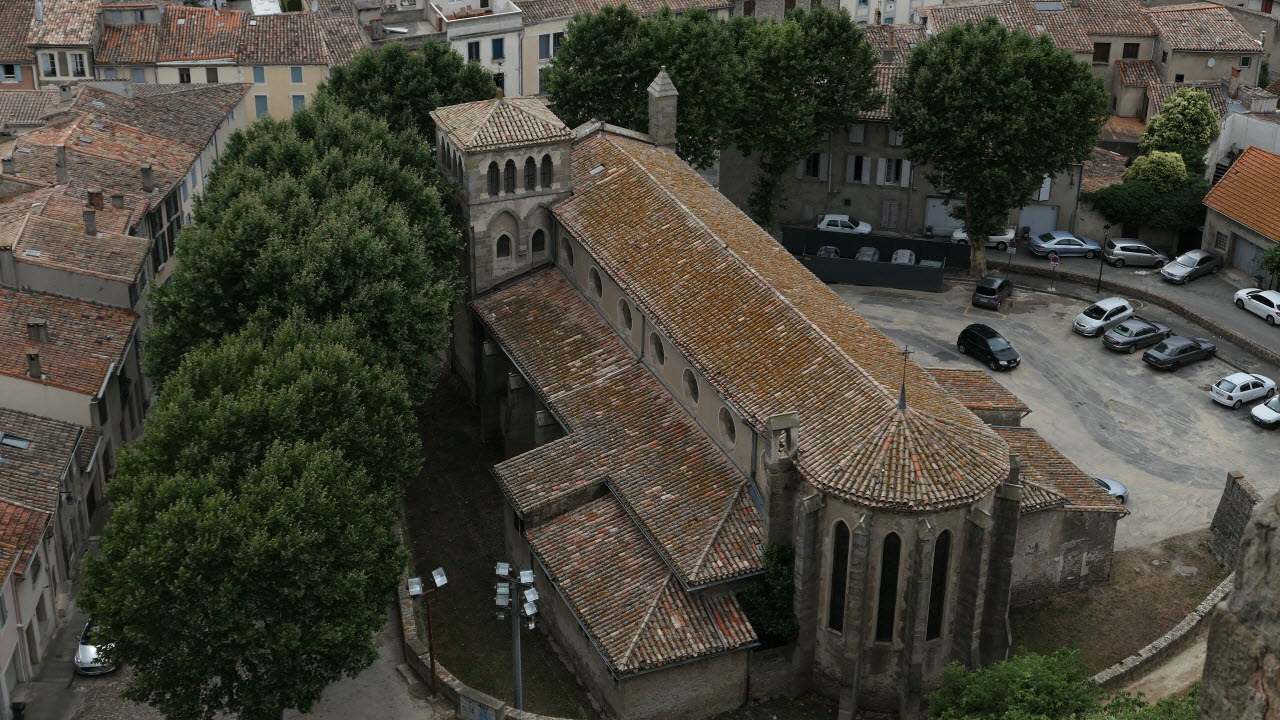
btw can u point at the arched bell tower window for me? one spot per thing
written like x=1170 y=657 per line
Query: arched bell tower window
x=493 y=178
x=548 y=171
x=839 y=576
x=539 y=241
x=504 y=246
x=887 y=598
x=530 y=174
x=510 y=176
x=938 y=585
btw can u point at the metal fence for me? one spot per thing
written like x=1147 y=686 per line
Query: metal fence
x=938 y=256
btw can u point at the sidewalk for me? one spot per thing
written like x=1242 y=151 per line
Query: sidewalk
x=50 y=695
x=1209 y=297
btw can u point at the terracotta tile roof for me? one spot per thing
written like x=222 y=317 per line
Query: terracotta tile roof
x=67 y=203
x=977 y=390
x=291 y=38
x=189 y=114
x=25 y=107
x=342 y=39
x=633 y=607
x=499 y=123
x=770 y=337
x=1274 y=88
x=624 y=428
x=64 y=246
x=8 y=556
x=1037 y=496
x=196 y=33
x=66 y=22
x=1206 y=27
x=30 y=476
x=137 y=44
x=84 y=339
x=1113 y=17
x=22 y=528
x=539 y=10
x=15 y=24
x=1102 y=169
x=1044 y=465
x=894 y=42
x=1157 y=93
x=1137 y=73
x=886 y=74
x=1248 y=192
x=1122 y=129
x=1070 y=27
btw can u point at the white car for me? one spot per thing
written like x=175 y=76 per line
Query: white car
x=1263 y=303
x=843 y=224
x=1240 y=388
x=1102 y=316
x=1267 y=414
x=999 y=242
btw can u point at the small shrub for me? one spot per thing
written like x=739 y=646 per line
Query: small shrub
x=768 y=603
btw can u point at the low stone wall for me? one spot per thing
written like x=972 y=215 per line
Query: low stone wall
x=1151 y=656
x=1131 y=292
x=1231 y=517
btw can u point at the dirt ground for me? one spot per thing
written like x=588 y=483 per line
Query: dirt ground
x=1151 y=589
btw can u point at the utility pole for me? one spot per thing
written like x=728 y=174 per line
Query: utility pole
x=419 y=590
x=1102 y=256
x=515 y=595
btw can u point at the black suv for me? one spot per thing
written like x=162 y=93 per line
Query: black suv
x=992 y=291
x=989 y=346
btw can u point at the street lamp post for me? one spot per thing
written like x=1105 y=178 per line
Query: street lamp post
x=1102 y=258
x=515 y=595
x=418 y=589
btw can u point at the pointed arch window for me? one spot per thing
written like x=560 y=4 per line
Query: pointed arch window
x=839 y=576
x=530 y=174
x=548 y=171
x=504 y=246
x=510 y=176
x=493 y=178
x=887 y=598
x=938 y=585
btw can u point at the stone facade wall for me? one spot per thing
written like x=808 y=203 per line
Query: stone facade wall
x=1231 y=518
x=1061 y=551
x=768 y=677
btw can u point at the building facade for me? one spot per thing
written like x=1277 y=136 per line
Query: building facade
x=1243 y=219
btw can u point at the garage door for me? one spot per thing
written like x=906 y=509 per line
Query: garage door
x=1244 y=254
x=1040 y=218
x=936 y=214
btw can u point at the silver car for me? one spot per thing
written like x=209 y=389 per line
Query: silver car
x=87 y=660
x=1126 y=251
x=1191 y=265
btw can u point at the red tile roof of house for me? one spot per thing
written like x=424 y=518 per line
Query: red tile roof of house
x=1103 y=168
x=500 y=123
x=770 y=337
x=1205 y=27
x=342 y=39
x=886 y=74
x=22 y=528
x=66 y=23
x=84 y=339
x=196 y=33
x=15 y=25
x=292 y=38
x=1070 y=27
x=1137 y=73
x=894 y=42
x=633 y=606
x=1044 y=465
x=977 y=390
x=1250 y=192
x=65 y=246
x=624 y=428
x=31 y=476
x=136 y=44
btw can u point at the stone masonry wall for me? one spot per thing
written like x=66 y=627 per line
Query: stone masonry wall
x=1231 y=518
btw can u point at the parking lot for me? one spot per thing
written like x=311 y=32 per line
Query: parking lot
x=1109 y=412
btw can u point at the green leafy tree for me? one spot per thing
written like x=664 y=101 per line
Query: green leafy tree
x=1164 y=171
x=1137 y=202
x=402 y=86
x=768 y=603
x=1024 y=687
x=277 y=382
x=1187 y=121
x=244 y=595
x=1270 y=260
x=992 y=112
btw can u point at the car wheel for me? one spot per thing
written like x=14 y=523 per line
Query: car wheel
x=1175 y=366
x=960 y=346
x=1239 y=303
x=1271 y=320
x=1236 y=405
x=1215 y=270
x=1159 y=264
x=1119 y=262
x=1090 y=254
x=993 y=365
x=1271 y=392
x=1131 y=349
x=1001 y=246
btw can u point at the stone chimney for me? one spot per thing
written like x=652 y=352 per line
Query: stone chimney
x=94 y=198
x=90 y=221
x=376 y=30
x=1233 y=89
x=39 y=11
x=148 y=178
x=662 y=110
x=117 y=201
x=37 y=329
x=61 y=164
x=877 y=16
x=8 y=166
x=33 y=363
x=64 y=93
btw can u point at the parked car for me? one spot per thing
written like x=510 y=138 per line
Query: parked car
x=1114 y=488
x=992 y=291
x=829 y=251
x=843 y=224
x=87 y=660
x=1126 y=251
x=903 y=257
x=1135 y=333
x=989 y=346
x=1267 y=414
x=868 y=254
x=1190 y=265
x=1102 y=316
x=1239 y=388
x=1175 y=351
x=1064 y=243
x=999 y=242
x=1263 y=303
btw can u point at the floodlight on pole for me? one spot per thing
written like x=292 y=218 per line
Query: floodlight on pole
x=439 y=577
x=415 y=587
x=531 y=595
x=515 y=595
x=418 y=589
x=526 y=577
x=502 y=569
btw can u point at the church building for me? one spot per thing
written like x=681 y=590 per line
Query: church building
x=674 y=392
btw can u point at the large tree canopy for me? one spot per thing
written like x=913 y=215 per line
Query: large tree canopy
x=1165 y=171
x=244 y=594
x=992 y=112
x=1187 y=122
x=403 y=86
x=1139 y=203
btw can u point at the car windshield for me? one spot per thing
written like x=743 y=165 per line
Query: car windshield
x=1161 y=348
x=1095 y=311
x=1226 y=385
x=1187 y=261
x=984 y=290
x=1046 y=238
x=1274 y=403
x=997 y=343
